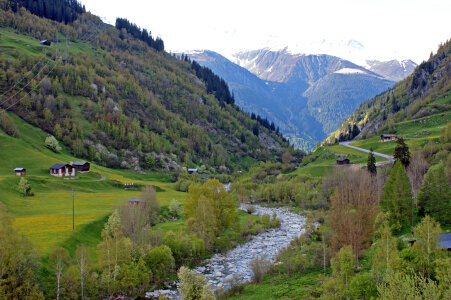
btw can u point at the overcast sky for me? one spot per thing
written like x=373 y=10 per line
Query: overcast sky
x=381 y=29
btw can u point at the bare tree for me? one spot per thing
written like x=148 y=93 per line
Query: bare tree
x=83 y=263
x=416 y=171
x=353 y=209
x=59 y=259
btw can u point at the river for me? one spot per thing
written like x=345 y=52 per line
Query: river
x=222 y=268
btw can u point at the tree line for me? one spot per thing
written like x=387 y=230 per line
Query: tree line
x=137 y=33
x=65 y=11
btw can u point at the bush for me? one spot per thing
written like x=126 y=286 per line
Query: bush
x=260 y=268
x=193 y=285
x=175 y=208
x=160 y=261
x=7 y=124
x=24 y=187
x=52 y=144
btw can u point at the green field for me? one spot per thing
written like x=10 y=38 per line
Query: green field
x=416 y=133
x=46 y=217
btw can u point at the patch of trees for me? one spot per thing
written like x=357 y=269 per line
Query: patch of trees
x=137 y=33
x=65 y=11
x=215 y=85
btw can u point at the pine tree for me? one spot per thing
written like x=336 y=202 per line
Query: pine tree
x=435 y=196
x=371 y=163
x=402 y=152
x=397 y=196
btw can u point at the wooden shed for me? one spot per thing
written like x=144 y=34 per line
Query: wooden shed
x=388 y=137
x=134 y=201
x=20 y=171
x=45 y=43
x=61 y=170
x=342 y=161
x=81 y=166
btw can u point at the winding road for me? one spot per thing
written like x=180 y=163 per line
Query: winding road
x=347 y=144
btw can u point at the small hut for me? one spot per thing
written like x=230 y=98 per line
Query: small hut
x=388 y=137
x=81 y=166
x=192 y=171
x=45 y=43
x=342 y=161
x=20 y=171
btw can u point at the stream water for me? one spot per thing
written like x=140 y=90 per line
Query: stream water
x=234 y=265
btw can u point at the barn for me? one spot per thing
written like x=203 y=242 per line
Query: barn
x=61 y=170
x=388 y=137
x=342 y=161
x=81 y=166
x=20 y=171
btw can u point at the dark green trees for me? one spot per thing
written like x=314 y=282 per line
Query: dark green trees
x=435 y=196
x=402 y=152
x=371 y=163
x=397 y=196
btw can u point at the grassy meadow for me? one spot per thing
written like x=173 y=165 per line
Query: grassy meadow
x=46 y=217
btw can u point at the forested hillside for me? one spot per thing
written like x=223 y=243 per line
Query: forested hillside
x=425 y=92
x=117 y=98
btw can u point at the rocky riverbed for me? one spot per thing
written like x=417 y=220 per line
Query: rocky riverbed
x=234 y=265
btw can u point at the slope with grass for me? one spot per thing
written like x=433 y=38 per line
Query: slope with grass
x=46 y=217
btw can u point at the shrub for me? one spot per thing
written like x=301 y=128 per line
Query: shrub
x=24 y=187
x=260 y=268
x=52 y=144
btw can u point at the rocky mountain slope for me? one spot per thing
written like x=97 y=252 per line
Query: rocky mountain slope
x=307 y=96
x=394 y=70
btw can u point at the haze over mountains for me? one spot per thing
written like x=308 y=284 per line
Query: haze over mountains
x=307 y=96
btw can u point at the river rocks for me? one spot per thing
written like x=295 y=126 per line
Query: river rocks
x=234 y=265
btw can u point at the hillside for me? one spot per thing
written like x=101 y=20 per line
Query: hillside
x=426 y=92
x=307 y=96
x=116 y=100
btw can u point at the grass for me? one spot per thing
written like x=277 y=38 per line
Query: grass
x=46 y=217
x=415 y=132
x=297 y=286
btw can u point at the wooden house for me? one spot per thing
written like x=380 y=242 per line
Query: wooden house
x=342 y=161
x=388 y=137
x=62 y=170
x=20 y=171
x=81 y=166
x=45 y=43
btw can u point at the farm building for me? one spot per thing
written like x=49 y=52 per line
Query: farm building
x=45 y=43
x=20 y=171
x=388 y=137
x=342 y=161
x=81 y=166
x=61 y=170
x=134 y=201
x=192 y=171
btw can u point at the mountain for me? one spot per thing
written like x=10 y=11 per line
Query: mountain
x=427 y=91
x=307 y=96
x=117 y=98
x=393 y=70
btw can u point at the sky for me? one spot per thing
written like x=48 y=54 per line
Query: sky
x=351 y=29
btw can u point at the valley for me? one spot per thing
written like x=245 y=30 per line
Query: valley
x=131 y=172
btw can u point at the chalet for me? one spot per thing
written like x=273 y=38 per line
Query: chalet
x=62 y=170
x=388 y=137
x=192 y=171
x=134 y=201
x=444 y=241
x=20 y=171
x=45 y=43
x=81 y=166
x=342 y=161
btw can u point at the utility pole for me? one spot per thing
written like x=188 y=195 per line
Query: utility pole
x=73 y=210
